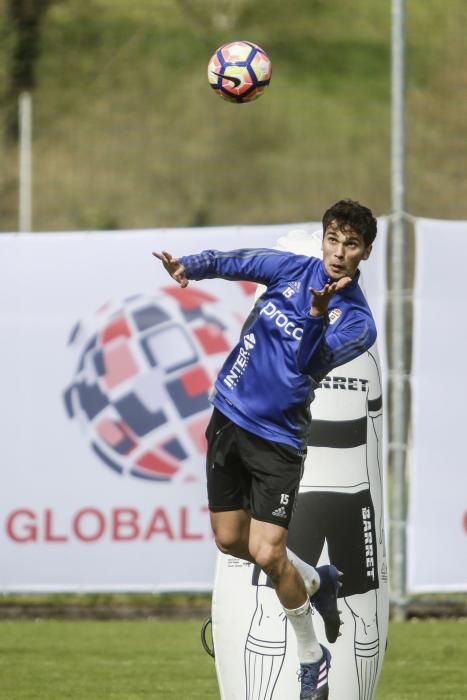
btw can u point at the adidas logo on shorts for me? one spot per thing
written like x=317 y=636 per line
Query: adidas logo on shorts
x=280 y=512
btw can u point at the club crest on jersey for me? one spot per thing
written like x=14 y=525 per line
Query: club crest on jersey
x=292 y=288
x=333 y=315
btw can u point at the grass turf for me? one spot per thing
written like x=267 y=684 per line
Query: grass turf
x=54 y=660
x=58 y=660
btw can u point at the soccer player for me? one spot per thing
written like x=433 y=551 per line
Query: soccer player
x=311 y=318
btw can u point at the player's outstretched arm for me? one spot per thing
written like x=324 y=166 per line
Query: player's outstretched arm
x=173 y=266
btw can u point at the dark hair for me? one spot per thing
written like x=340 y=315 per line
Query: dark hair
x=351 y=213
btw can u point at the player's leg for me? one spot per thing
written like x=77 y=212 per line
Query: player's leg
x=307 y=534
x=275 y=471
x=231 y=531
x=322 y=585
x=267 y=546
x=228 y=486
x=308 y=573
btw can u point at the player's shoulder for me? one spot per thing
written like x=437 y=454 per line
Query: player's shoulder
x=295 y=264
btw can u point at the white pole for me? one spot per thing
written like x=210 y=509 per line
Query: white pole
x=397 y=381
x=25 y=163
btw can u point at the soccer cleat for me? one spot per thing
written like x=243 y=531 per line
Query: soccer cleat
x=325 y=600
x=314 y=678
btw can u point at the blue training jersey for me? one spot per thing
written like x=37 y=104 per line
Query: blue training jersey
x=268 y=381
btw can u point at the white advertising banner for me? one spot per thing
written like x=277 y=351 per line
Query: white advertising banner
x=437 y=536
x=105 y=369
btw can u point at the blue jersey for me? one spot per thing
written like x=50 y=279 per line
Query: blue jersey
x=268 y=381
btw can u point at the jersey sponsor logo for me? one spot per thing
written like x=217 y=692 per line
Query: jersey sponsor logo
x=333 y=315
x=236 y=371
x=279 y=512
x=271 y=311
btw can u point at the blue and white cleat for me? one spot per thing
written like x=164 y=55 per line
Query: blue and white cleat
x=325 y=600
x=314 y=678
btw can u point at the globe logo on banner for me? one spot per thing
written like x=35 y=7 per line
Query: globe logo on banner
x=144 y=370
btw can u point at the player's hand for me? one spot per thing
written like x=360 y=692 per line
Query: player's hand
x=321 y=298
x=173 y=266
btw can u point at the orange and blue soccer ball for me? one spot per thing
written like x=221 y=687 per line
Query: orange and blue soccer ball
x=239 y=71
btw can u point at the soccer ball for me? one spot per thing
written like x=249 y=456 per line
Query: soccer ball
x=239 y=71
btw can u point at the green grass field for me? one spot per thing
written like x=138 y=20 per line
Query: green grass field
x=58 y=660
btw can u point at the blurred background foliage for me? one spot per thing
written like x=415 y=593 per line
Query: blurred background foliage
x=128 y=134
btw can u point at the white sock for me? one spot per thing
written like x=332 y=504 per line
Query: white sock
x=308 y=647
x=306 y=571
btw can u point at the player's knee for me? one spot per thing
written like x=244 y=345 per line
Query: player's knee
x=271 y=559
x=225 y=546
x=228 y=542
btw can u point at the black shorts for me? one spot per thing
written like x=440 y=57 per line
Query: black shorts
x=245 y=471
x=347 y=523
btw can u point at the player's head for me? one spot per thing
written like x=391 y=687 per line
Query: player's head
x=348 y=213
x=349 y=229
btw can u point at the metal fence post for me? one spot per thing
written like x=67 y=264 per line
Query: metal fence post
x=397 y=375
x=25 y=163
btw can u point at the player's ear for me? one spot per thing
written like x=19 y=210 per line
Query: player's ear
x=367 y=252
